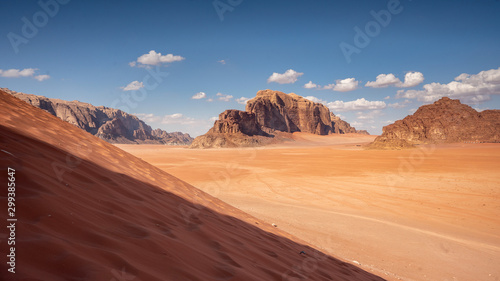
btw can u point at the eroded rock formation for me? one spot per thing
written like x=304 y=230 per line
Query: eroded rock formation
x=268 y=118
x=444 y=121
x=109 y=124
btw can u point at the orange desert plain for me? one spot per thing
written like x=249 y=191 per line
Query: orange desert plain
x=86 y=210
x=429 y=213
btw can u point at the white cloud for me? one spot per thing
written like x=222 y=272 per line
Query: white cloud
x=356 y=124
x=42 y=77
x=177 y=118
x=133 y=86
x=242 y=100
x=383 y=80
x=315 y=99
x=359 y=104
x=412 y=79
x=473 y=88
x=399 y=104
x=369 y=116
x=198 y=96
x=27 y=72
x=289 y=77
x=210 y=100
x=154 y=58
x=148 y=118
x=343 y=85
x=16 y=73
x=311 y=85
x=388 y=97
x=223 y=97
x=213 y=119
x=221 y=61
x=177 y=122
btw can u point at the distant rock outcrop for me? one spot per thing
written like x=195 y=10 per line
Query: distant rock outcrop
x=268 y=118
x=340 y=126
x=109 y=124
x=236 y=121
x=444 y=121
x=290 y=113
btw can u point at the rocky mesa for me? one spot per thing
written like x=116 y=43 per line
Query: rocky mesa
x=271 y=117
x=109 y=124
x=444 y=121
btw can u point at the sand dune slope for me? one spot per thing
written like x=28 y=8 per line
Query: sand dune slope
x=87 y=210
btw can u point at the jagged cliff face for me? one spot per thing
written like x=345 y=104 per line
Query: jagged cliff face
x=109 y=124
x=289 y=113
x=268 y=118
x=237 y=121
x=444 y=121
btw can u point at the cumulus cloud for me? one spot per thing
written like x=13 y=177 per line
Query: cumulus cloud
x=343 y=85
x=27 y=72
x=289 y=77
x=198 y=96
x=311 y=85
x=176 y=118
x=359 y=104
x=242 y=100
x=399 y=104
x=388 y=97
x=221 y=61
x=412 y=79
x=472 y=88
x=357 y=124
x=148 y=117
x=42 y=77
x=223 y=97
x=154 y=58
x=383 y=80
x=16 y=73
x=213 y=119
x=133 y=86
x=315 y=99
x=369 y=117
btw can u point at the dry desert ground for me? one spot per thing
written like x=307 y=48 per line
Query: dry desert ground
x=430 y=213
x=86 y=210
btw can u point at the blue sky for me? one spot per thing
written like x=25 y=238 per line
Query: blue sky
x=106 y=53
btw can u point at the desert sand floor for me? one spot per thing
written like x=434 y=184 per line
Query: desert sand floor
x=431 y=213
x=86 y=210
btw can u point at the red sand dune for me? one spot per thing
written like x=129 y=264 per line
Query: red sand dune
x=87 y=210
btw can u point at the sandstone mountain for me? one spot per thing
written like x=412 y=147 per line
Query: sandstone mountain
x=109 y=124
x=271 y=117
x=444 y=121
